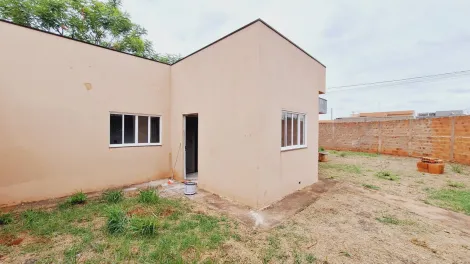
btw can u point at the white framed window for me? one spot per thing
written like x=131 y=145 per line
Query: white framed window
x=128 y=130
x=293 y=130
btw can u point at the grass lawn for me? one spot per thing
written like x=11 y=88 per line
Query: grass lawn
x=141 y=229
x=457 y=200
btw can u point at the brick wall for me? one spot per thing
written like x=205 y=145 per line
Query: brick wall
x=447 y=138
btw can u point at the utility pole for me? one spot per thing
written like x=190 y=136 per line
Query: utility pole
x=331 y=113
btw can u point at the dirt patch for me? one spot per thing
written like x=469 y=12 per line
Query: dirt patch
x=138 y=211
x=167 y=212
x=10 y=240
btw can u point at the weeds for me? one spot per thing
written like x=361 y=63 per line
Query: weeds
x=148 y=196
x=345 y=253
x=310 y=258
x=321 y=149
x=386 y=175
x=145 y=226
x=117 y=220
x=456 y=200
x=78 y=198
x=388 y=219
x=457 y=168
x=370 y=186
x=6 y=219
x=342 y=167
x=113 y=196
x=456 y=184
x=353 y=153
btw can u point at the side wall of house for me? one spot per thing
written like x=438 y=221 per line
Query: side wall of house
x=54 y=131
x=220 y=84
x=290 y=80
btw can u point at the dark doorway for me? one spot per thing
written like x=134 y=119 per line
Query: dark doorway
x=191 y=146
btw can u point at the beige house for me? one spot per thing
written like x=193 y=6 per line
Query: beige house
x=240 y=114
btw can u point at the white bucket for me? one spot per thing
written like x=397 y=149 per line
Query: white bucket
x=190 y=188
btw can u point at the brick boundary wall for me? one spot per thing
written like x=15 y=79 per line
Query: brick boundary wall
x=447 y=138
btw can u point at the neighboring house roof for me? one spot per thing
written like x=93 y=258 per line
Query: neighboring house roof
x=226 y=36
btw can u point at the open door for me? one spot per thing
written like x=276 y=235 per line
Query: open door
x=191 y=146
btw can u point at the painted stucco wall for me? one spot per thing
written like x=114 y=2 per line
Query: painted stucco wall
x=289 y=80
x=55 y=133
x=220 y=84
x=239 y=87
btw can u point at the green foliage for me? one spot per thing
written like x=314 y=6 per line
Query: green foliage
x=321 y=149
x=353 y=153
x=113 y=196
x=148 y=196
x=78 y=198
x=6 y=218
x=117 y=220
x=98 y=22
x=386 y=175
x=370 y=186
x=388 y=219
x=456 y=200
x=457 y=168
x=350 y=168
x=145 y=226
x=456 y=184
x=310 y=258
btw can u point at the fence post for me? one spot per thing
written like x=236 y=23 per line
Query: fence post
x=452 y=138
x=410 y=137
x=379 y=150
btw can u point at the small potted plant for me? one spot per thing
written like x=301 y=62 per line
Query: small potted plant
x=322 y=155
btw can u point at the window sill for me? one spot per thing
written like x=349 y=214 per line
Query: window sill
x=134 y=145
x=293 y=147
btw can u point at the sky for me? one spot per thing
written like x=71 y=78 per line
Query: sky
x=359 y=41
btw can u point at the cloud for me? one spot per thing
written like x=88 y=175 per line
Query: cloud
x=359 y=41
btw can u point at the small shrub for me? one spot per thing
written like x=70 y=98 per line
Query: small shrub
x=386 y=175
x=321 y=149
x=113 y=196
x=457 y=168
x=148 y=196
x=6 y=218
x=342 y=154
x=370 y=186
x=456 y=184
x=78 y=198
x=145 y=226
x=117 y=220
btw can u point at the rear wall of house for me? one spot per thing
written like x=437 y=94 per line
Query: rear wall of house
x=54 y=130
x=290 y=80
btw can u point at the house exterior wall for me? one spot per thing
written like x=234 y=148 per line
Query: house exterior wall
x=239 y=88
x=220 y=84
x=54 y=131
x=289 y=80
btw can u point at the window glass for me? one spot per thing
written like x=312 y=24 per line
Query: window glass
x=155 y=130
x=295 y=128
x=115 y=129
x=302 y=128
x=129 y=129
x=289 y=129
x=143 y=129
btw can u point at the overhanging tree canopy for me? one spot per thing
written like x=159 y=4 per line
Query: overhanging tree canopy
x=93 y=21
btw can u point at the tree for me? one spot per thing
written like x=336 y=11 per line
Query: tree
x=93 y=21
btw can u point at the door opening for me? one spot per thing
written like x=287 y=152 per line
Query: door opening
x=191 y=146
